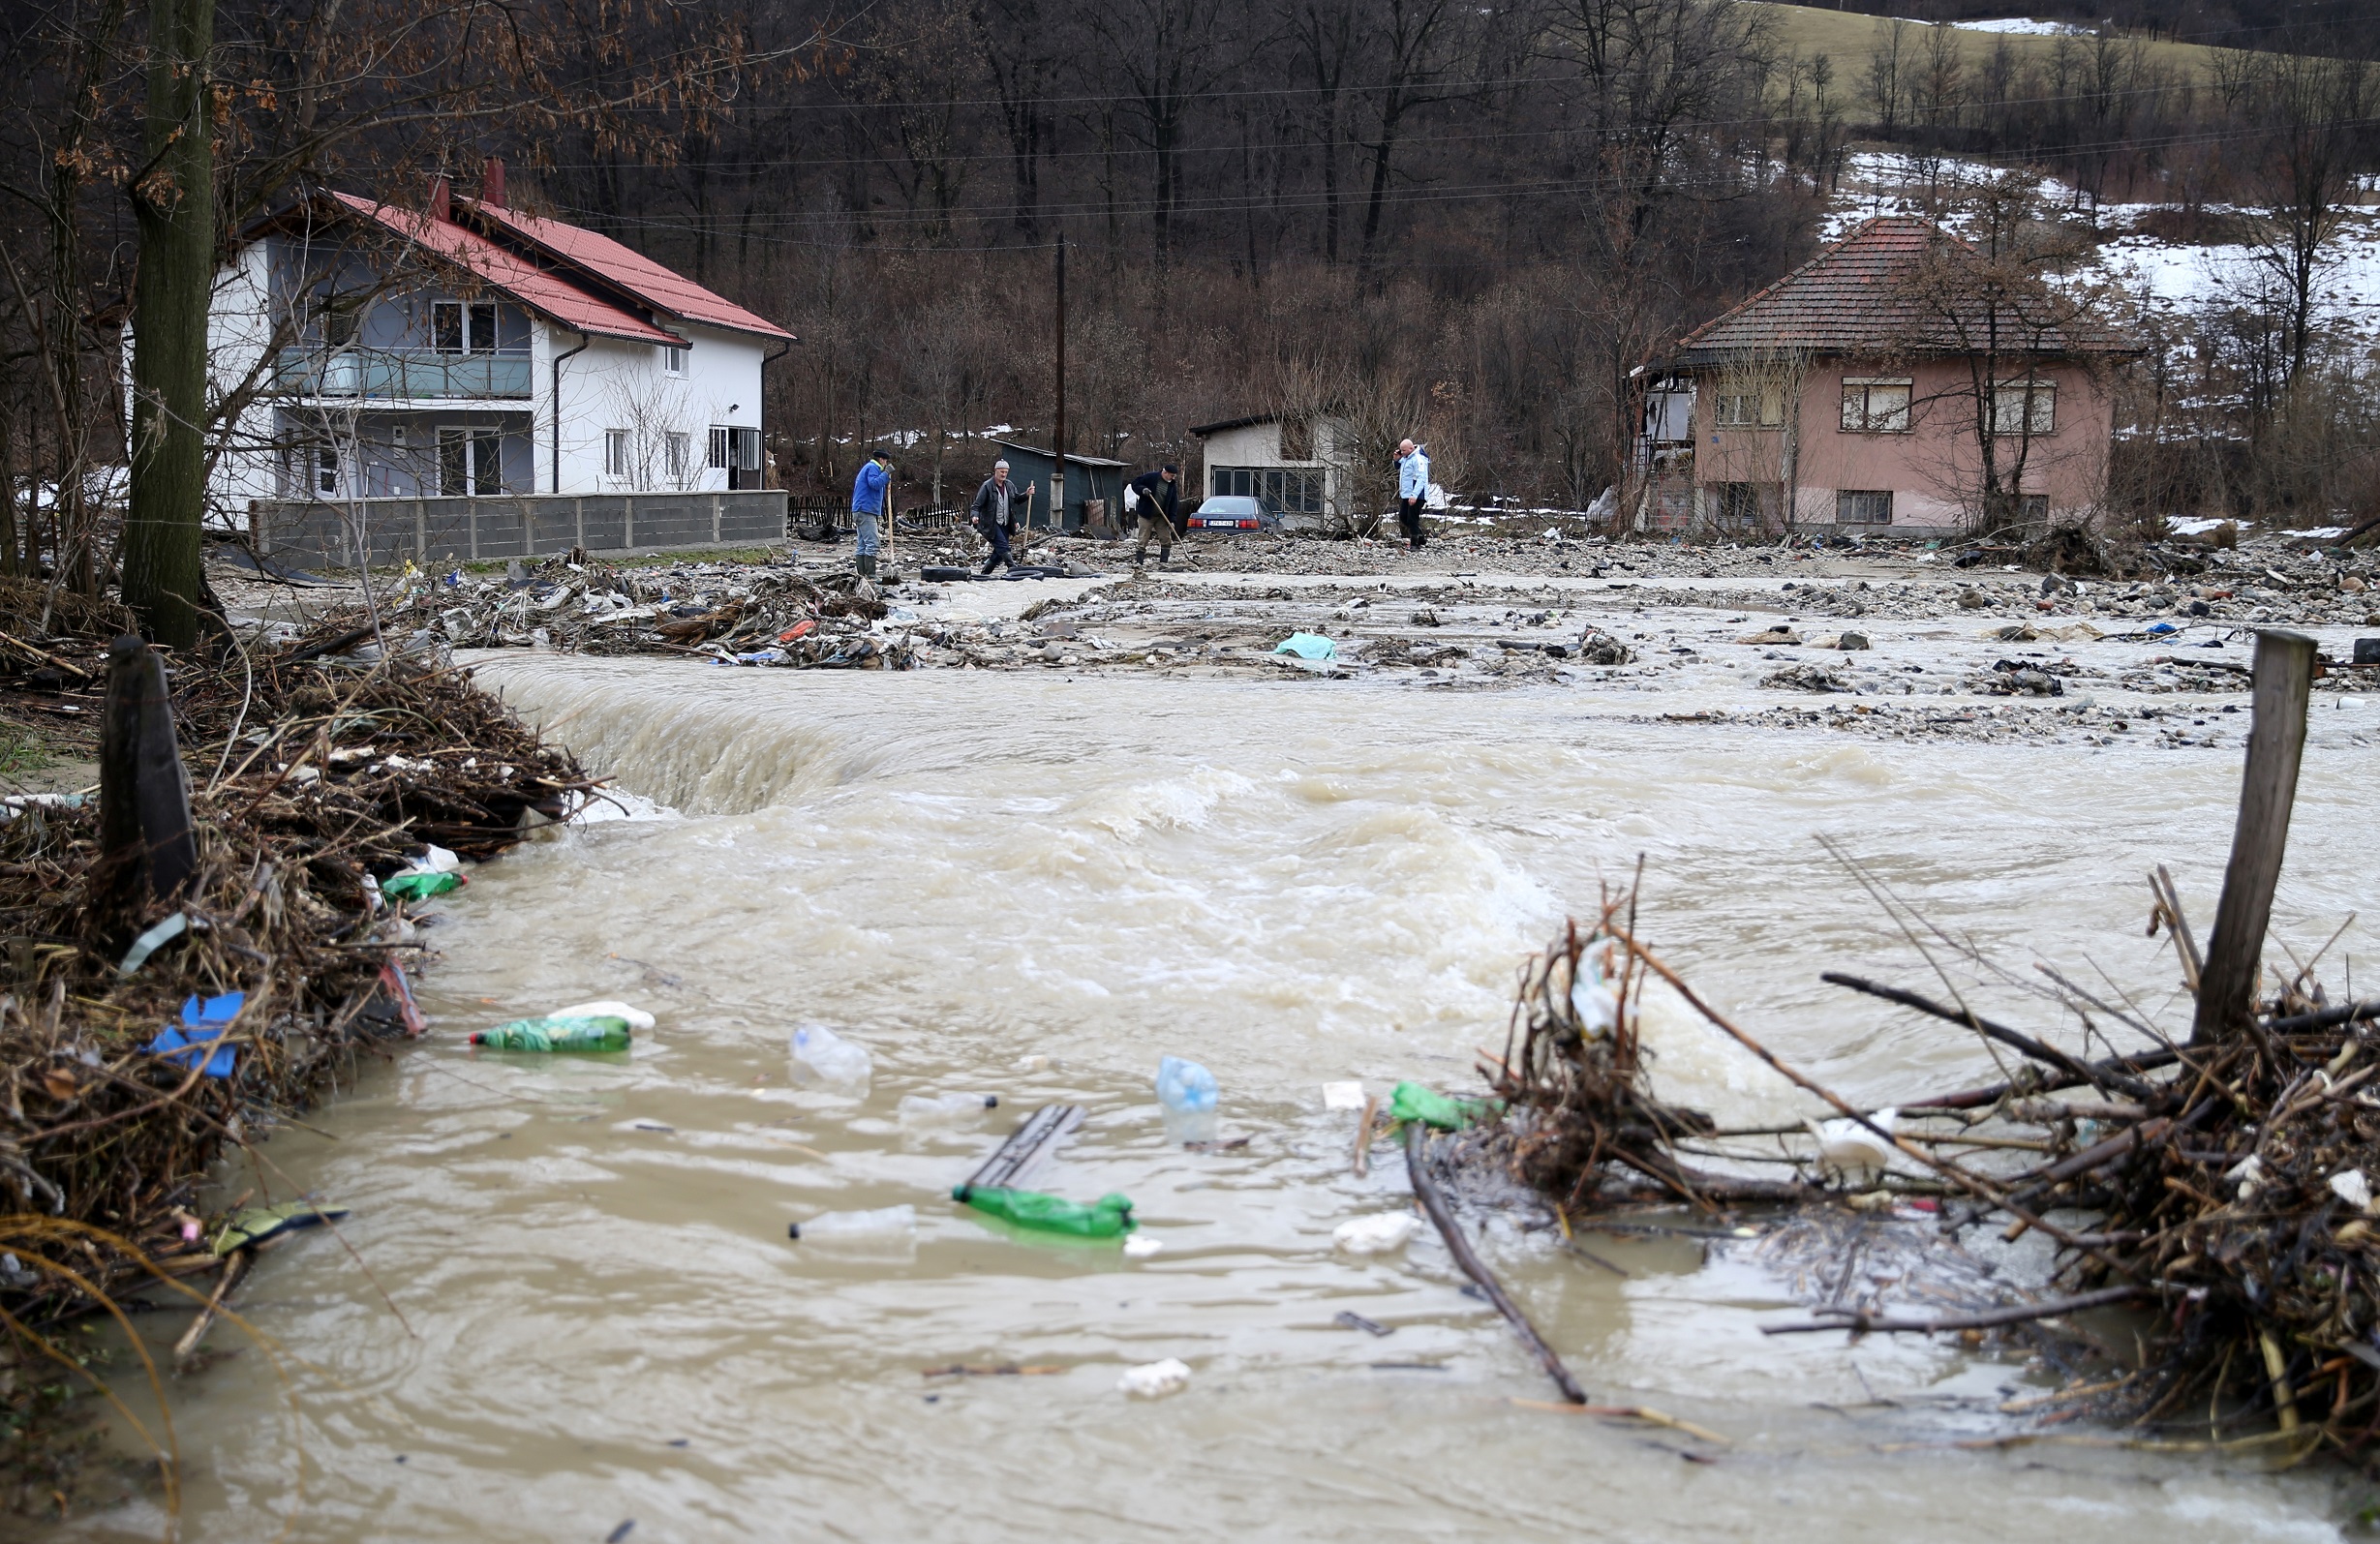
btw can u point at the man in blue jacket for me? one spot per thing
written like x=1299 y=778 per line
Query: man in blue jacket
x=867 y=495
x=1413 y=487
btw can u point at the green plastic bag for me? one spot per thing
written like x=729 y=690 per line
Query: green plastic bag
x=556 y=1035
x=1105 y=1217
x=1411 y=1101
x=419 y=886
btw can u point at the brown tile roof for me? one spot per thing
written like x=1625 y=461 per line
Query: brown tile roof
x=1847 y=300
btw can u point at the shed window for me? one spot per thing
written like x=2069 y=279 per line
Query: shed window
x=1873 y=406
x=2024 y=408
x=1863 y=506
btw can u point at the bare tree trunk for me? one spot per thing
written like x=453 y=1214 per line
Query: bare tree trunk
x=173 y=203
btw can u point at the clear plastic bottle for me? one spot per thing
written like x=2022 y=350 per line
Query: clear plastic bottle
x=886 y=1225
x=1189 y=1094
x=824 y=1059
x=926 y=1111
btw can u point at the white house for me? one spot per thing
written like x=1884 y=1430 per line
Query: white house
x=468 y=348
x=1296 y=466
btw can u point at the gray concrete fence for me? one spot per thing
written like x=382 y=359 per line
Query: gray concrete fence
x=334 y=532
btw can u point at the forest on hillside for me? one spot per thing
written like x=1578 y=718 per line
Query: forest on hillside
x=1475 y=221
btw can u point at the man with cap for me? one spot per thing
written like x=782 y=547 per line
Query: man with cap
x=1159 y=496
x=868 y=498
x=993 y=513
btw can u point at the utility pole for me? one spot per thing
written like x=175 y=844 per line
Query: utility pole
x=1057 y=434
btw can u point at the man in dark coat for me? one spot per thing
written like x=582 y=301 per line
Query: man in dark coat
x=1159 y=496
x=994 y=513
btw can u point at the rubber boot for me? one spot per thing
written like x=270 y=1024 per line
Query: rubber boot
x=868 y=566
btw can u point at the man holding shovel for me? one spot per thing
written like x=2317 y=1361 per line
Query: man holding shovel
x=869 y=493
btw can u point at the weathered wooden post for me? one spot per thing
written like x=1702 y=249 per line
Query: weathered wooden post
x=143 y=792
x=2275 y=745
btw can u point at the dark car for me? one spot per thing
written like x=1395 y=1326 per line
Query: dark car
x=1233 y=512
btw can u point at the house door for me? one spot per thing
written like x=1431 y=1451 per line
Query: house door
x=470 y=462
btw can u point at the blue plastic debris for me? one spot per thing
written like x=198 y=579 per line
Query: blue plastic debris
x=203 y=1024
x=2161 y=630
x=1307 y=645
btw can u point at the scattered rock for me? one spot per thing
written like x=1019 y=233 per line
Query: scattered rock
x=1805 y=678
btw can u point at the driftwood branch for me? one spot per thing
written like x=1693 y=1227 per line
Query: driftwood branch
x=1859 y=1322
x=2015 y=1039
x=1434 y=1202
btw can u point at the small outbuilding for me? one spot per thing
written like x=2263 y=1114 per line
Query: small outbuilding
x=1088 y=477
x=1293 y=466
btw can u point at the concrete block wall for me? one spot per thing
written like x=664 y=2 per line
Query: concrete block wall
x=434 y=530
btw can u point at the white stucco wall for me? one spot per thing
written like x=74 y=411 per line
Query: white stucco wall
x=239 y=325
x=615 y=384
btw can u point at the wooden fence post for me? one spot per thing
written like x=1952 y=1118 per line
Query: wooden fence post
x=2275 y=745
x=144 y=792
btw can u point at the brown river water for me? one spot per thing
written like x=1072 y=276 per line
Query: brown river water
x=1291 y=881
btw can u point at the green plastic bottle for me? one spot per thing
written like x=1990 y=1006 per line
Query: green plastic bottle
x=556 y=1033
x=1105 y=1217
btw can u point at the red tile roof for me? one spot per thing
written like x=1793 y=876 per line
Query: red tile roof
x=1847 y=300
x=538 y=289
x=668 y=292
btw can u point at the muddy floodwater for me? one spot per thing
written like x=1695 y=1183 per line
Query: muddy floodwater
x=1034 y=885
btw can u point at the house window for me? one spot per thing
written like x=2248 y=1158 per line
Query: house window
x=1874 y=406
x=325 y=469
x=1749 y=410
x=677 y=450
x=1738 y=506
x=721 y=438
x=2033 y=509
x=1863 y=506
x=2024 y=408
x=463 y=326
x=673 y=361
x=470 y=462
x=614 y=452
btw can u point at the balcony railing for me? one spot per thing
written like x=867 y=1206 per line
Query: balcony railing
x=385 y=373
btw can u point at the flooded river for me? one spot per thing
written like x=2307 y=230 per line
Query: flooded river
x=1034 y=887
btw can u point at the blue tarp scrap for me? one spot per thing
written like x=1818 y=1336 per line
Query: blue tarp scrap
x=1307 y=645
x=205 y=1022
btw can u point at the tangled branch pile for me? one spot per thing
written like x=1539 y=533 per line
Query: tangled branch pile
x=313 y=774
x=2225 y=1185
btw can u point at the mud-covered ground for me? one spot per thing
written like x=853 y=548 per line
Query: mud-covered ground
x=1898 y=642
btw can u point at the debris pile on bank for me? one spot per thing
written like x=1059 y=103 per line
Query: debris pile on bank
x=178 y=996
x=749 y=614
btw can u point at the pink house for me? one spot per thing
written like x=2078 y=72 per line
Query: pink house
x=1858 y=393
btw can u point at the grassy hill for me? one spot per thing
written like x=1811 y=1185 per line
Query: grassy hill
x=1849 y=36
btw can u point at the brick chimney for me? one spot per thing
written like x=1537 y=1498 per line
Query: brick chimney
x=437 y=199
x=492 y=182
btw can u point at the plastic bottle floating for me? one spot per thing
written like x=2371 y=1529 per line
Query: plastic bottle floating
x=556 y=1033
